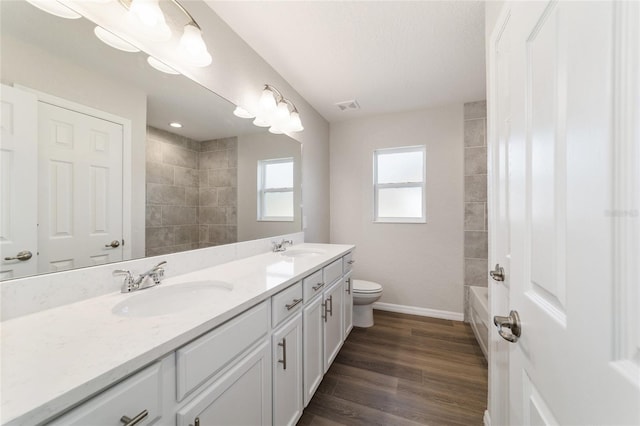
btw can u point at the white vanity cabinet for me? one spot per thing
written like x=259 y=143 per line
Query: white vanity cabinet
x=242 y=396
x=347 y=316
x=312 y=338
x=138 y=397
x=332 y=316
x=287 y=372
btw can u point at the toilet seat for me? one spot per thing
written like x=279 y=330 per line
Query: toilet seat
x=366 y=287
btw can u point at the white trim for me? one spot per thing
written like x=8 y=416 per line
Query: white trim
x=486 y=419
x=415 y=310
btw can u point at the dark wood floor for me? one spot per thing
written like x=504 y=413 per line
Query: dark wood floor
x=405 y=370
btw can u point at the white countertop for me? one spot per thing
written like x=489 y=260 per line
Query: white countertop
x=53 y=359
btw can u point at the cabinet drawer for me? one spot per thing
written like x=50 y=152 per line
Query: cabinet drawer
x=347 y=262
x=209 y=354
x=332 y=272
x=286 y=303
x=312 y=285
x=128 y=398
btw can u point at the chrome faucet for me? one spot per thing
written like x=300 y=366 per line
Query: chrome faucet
x=130 y=283
x=281 y=245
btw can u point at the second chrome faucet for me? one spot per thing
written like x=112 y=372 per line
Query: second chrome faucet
x=147 y=279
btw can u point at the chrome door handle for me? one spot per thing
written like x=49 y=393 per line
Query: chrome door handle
x=291 y=305
x=348 y=290
x=113 y=244
x=23 y=256
x=498 y=273
x=512 y=322
x=283 y=361
x=134 y=421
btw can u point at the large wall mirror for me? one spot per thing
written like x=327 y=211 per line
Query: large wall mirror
x=92 y=172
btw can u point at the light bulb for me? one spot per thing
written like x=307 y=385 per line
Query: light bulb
x=295 y=124
x=148 y=20
x=242 y=113
x=192 y=41
x=282 y=113
x=268 y=101
x=147 y=11
x=261 y=122
x=55 y=8
x=114 y=41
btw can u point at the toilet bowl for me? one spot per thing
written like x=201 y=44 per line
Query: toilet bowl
x=364 y=294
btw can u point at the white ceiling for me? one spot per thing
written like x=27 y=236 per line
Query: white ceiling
x=388 y=55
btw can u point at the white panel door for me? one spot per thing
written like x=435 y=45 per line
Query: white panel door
x=573 y=162
x=312 y=336
x=80 y=209
x=18 y=182
x=333 y=332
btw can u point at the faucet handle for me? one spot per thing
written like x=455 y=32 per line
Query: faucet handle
x=122 y=272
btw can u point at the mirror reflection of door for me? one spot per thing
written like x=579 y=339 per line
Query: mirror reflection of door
x=62 y=184
x=80 y=183
x=18 y=184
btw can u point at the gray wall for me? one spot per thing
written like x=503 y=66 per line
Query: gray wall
x=475 y=198
x=418 y=265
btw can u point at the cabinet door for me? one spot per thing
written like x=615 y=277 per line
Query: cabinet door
x=313 y=360
x=333 y=300
x=348 y=306
x=287 y=372
x=240 y=397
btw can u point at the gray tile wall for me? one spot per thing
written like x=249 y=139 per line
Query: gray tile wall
x=191 y=192
x=218 y=178
x=475 y=198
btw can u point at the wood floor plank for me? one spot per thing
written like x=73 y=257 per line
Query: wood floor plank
x=405 y=370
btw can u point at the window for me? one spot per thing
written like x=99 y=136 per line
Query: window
x=399 y=184
x=275 y=190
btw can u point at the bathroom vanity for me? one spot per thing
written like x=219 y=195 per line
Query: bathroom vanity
x=243 y=342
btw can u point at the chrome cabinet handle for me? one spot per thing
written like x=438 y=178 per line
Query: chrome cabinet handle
x=317 y=286
x=348 y=290
x=283 y=345
x=134 y=421
x=330 y=310
x=23 y=256
x=196 y=422
x=351 y=262
x=512 y=322
x=113 y=244
x=291 y=305
x=498 y=273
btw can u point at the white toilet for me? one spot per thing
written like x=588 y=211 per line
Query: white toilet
x=364 y=294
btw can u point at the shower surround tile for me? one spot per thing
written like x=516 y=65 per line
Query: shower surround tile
x=475 y=197
x=191 y=187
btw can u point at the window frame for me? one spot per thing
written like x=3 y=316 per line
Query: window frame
x=422 y=184
x=262 y=190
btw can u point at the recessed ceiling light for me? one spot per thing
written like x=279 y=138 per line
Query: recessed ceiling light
x=175 y=124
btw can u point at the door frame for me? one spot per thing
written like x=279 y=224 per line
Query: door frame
x=127 y=163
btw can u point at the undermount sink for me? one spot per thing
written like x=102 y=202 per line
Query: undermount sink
x=171 y=299
x=302 y=252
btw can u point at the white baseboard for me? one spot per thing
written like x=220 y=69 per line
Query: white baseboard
x=486 y=418
x=423 y=312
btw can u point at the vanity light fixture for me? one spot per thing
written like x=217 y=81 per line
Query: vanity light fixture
x=276 y=112
x=161 y=66
x=55 y=8
x=110 y=39
x=145 y=20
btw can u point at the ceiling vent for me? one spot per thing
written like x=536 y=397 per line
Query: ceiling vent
x=348 y=105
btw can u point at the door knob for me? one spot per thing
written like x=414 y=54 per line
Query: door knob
x=113 y=244
x=24 y=255
x=498 y=273
x=512 y=322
